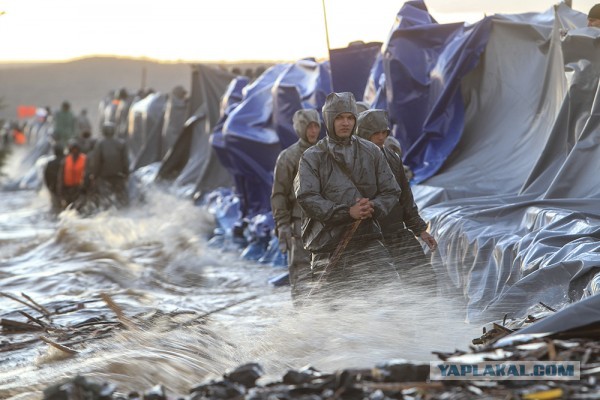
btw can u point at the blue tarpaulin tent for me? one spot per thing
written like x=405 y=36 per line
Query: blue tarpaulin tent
x=351 y=66
x=256 y=131
x=424 y=62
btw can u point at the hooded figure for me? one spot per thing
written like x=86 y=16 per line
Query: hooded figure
x=393 y=144
x=594 y=16
x=406 y=251
x=362 y=106
x=286 y=211
x=344 y=186
x=109 y=168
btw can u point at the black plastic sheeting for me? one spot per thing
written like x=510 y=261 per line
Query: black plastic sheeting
x=192 y=160
x=515 y=206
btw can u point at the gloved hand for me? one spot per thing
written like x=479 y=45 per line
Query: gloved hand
x=429 y=240
x=284 y=234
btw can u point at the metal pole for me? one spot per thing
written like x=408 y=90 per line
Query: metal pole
x=326 y=28
x=143 y=78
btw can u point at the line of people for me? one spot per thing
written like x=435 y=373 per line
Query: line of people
x=92 y=174
x=343 y=208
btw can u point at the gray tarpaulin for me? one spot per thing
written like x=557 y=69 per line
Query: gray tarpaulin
x=515 y=207
x=146 y=118
x=176 y=113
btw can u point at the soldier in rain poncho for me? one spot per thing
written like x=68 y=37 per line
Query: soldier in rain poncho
x=406 y=251
x=343 y=183
x=286 y=211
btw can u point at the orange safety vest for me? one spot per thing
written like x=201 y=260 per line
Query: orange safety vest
x=19 y=137
x=74 y=172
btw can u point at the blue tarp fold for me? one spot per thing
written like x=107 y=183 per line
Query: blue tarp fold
x=260 y=126
x=423 y=63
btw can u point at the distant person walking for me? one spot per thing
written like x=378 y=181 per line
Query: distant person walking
x=71 y=178
x=109 y=168
x=86 y=142
x=83 y=123
x=51 y=177
x=84 y=132
x=64 y=124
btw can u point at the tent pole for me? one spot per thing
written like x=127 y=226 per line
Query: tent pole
x=143 y=78
x=326 y=28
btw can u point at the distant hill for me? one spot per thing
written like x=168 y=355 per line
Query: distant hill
x=85 y=82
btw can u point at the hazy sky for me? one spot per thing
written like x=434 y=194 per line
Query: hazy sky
x=214 y=30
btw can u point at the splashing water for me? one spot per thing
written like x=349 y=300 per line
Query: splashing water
x=153 y=257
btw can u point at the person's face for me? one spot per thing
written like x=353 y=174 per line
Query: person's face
x=379 y=138
x=343 y=124
x=594 y=22
x=312 y=132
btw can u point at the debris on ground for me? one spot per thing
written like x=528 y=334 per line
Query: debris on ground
x=504 y=341
x=397 y=379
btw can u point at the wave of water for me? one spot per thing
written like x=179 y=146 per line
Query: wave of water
x=154 y=257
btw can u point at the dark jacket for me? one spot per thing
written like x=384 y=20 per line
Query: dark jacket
x=406 y=212
x=109 y=159
x=51 y=173
x=64 y=126
x=326 y=193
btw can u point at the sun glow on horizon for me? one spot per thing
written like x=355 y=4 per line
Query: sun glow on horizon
x=181 y=30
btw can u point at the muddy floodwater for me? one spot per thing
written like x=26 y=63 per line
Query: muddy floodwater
x=153 y=259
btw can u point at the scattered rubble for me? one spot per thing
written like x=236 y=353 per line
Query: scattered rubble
x=392 y=380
